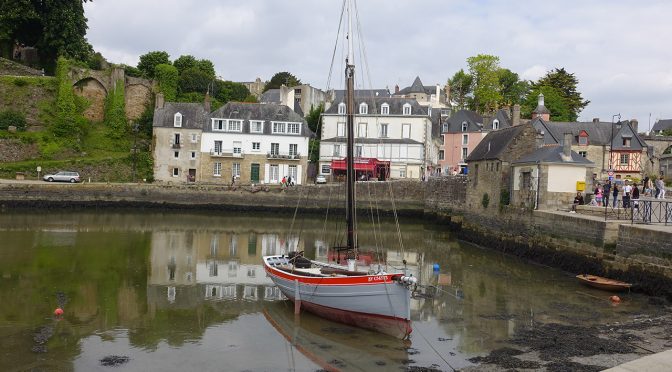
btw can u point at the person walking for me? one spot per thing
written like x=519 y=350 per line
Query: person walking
x=614 y=193
x=607 y=192
x=661 y=186
x=627 y=190
x=656 y=184
x=635 y=196
x=599 y=196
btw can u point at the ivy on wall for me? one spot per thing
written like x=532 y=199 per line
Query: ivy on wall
x=69 y=123
x=115 y=111
x=167 y=77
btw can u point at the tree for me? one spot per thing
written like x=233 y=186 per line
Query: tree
x=553 y=101
x=184 y=62
x=512 y=89
x=149 y=61
x=313 y=119
x=460 y=88
x=207 y=67
x=282 y=78
x=194 y=80
x=167 y=77
x=228 y=91
x=485 y=71
x=566 y=85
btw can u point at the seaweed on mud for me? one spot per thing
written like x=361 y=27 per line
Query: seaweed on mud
x=114 y=360
x=504 y=358
x=567 y=366
x=431 y=368
x=497 y=316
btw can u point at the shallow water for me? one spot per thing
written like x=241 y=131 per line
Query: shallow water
x=186 y=291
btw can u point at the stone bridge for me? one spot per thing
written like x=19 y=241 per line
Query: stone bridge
x=660 y=145
x=96 y=85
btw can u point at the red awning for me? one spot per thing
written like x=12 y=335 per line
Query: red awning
x=361 y=164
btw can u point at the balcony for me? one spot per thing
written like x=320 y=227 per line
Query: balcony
x=285 y=156
x=227 y=153
x=176 y=145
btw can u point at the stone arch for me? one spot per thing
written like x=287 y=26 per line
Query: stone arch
x=93 y=91
x=137 y=98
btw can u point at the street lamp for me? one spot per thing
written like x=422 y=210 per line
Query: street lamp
x=611 y=145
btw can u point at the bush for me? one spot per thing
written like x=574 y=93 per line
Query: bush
x=15 y=118
x=167 y=77
x=20 y=82
x=486 y=200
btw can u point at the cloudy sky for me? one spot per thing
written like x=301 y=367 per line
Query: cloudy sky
x=619 y=50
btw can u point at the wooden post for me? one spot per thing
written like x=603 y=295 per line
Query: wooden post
x=297 y=297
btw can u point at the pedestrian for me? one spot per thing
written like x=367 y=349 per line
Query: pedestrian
x=635 y=196
x=289 y=180
x=627 y=190
x=283 y=182
x=233 y=180
x=614 y=193
x=661 y=186
x=578 y=200
x=607 y=192
x=656 y=185
x=598 y=195
x=646 y=190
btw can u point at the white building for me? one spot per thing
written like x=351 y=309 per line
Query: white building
x=397 y=130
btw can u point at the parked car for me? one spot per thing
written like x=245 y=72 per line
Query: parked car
x=63 y=176
x=320 y=179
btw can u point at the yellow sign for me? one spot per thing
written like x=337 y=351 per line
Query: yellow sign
x=580 y=185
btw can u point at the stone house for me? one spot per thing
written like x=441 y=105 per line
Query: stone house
x=462 y=132
x=390 y=129
x=431 y=95
x=549 y=177
x=301 y=98
x=490 y=163
x=255 y=143
x=177 y=130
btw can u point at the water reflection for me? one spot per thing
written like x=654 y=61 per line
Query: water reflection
x=166 y=288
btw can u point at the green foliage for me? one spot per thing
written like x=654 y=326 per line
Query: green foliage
x=486 y=200
x=131 y=71
x=461 y=88
x=314 y=150
x=184 y=62
x=282 y=78
x=566 y=85
x=15 y=118
x=313 y=119
x=194 y=80
x=20 y=82
x=195 y=97
x=96 y=61
x=167 y=77
x=512 y=89
x=552 y=100
x=149 y=62
x=485 y=71
x=207 y=67
x=667 y=132
x=251 y=98
x=504 y=198
x=228 y=91
x=145 y=121
x=115 y=112
x=68 y=124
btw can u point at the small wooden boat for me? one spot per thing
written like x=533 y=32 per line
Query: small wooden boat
x=603 y=283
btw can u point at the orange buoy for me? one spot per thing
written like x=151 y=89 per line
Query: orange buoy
x=58 y=311
x=615 y=299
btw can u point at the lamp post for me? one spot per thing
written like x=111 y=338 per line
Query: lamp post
x=611 y=145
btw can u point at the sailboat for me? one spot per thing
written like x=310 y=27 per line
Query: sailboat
x=372 y=299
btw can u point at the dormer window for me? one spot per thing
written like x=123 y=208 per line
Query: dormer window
x=626 y=142
x=341 y=108
x=363 y=108
x=464 y=126
x=385 y=109
x=495 y=124
x=177 y=120
x=583 y=138
x=407 y=109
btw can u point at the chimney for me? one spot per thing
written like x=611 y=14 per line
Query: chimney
x=567 y=146
x=447 y=89
x=596 y=120
x=516 y=114
x=438 y=93
x=634 y=123
x=206 y=102
x=159 y=101
x=396 y=88
x=540 y=100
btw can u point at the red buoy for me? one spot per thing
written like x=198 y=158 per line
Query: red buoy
x=615 y=299
x=58 y=311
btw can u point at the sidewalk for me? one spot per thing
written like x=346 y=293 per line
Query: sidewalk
x=651 y=363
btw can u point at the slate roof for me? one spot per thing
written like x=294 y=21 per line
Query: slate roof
x=435 y=118
x=662 y=125
x=553 y=154
x=417 y=87
x=339 y=95
x=270 y=96
x=502 y=116
x=494 y=143
x=454 y=123
x=396 y=106
x=194 y=115
x=259 y=111
x=599 y=133
x=541 y=109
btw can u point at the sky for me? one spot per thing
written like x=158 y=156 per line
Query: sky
x=618 y=50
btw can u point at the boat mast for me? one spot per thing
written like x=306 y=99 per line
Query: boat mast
x=350 y=118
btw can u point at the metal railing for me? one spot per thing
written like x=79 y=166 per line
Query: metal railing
x=646 y=211
x=275 y=155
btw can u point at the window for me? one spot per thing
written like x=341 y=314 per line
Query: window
x=217 y=125
x=441 y=155
x=176 y=139
x=293 y=172
x=176 y=172
x=218 y=147
x=583 y=153
x=340 y=130
x=407 y=109
x=217 y=169
x=235 y=125
x=237 y=147
x=385 y=109
x=626 y=142
x=326 y=169
x=274 y=173
x=176 y=154
x=383 y=130
x=625 y=159
x=464 y=153
x=177 y=120
x=465 y=139
x=293 y=128
x=256 y=126
x=256 y=146
x=275 y=148
x=193 y=154
x=358 y=151
x=363 y=108
x=406 y=131
x=341 y=108
x=337 y=150
x=527 y=181
x=293 y=149
x=583 y=141
x=361 y=130
x=495 y=124
x=236 y=170
x=464 y=126
x=278 y=127
x=194 y=137
x=402 y=173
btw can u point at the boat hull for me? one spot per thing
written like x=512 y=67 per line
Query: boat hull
x=605 y=284
x=375 y=302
